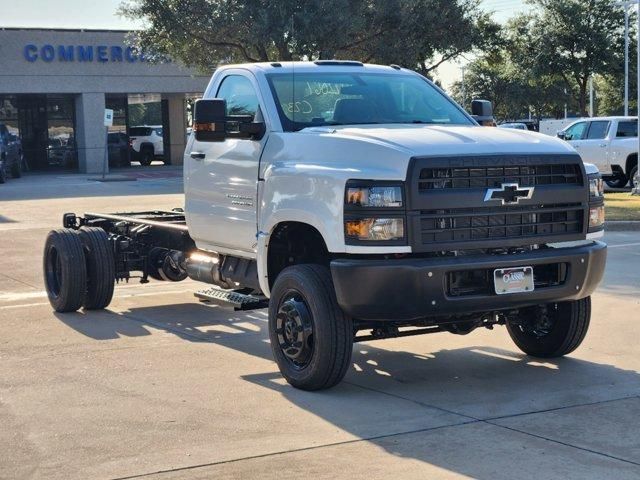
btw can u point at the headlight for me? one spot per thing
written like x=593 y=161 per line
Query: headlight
x=375 y=196
x=596 y=216
x=376 y=229
x=596 y=186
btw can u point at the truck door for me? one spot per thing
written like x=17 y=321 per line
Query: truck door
x=595 y=144
x=221 y=178
x=624 y=140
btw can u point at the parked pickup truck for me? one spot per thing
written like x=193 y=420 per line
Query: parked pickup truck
x=10 y=154
x=610 y=143
x=146 y=143
x=357 y=202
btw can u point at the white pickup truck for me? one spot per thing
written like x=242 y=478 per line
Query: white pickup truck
x=357 y=202
x=610 y=143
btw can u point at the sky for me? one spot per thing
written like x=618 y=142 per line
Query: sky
x=102 y=14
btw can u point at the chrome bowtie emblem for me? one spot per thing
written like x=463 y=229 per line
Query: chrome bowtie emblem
x=509 y=194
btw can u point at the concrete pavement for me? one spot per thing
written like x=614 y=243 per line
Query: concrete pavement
x=161 y=386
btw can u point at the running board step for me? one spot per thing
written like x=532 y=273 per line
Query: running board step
x=232 y=298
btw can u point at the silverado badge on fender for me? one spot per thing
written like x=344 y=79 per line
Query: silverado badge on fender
x=509 y=193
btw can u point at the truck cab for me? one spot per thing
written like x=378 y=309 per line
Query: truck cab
x=359 y=202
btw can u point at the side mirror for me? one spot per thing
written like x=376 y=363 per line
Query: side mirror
x=212 y=124
x=561 y=134
x=482 y=112
x=209 y=120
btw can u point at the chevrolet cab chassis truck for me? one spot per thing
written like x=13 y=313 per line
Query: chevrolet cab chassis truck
x=356 y=202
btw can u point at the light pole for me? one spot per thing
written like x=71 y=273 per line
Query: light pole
x=464 y=90
x=626 y=4
x=626 y=59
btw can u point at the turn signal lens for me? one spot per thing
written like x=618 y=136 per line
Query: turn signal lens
x=377 y=197
x=596 y=216
x=375 y=229
x=204 y=127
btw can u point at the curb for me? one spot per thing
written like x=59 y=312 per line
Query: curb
x=112 y=178
x=622 y=226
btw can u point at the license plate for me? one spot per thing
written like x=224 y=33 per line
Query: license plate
x=513 y=280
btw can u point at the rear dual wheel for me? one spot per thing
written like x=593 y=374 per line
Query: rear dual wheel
x=100 y=267
x=78 y=269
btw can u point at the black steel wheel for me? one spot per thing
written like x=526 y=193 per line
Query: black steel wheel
x=100 y=262
x=294 y=327
x=311 y=338
x=65 y=271
x=552 y=330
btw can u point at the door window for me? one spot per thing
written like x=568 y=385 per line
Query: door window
x=598 y=130
x=627 y=129
x=240 y=95
x=575 y=132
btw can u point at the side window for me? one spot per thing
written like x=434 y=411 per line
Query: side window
x=576 y=131
x=240 y=95
x=627 y=129
x=598 y=130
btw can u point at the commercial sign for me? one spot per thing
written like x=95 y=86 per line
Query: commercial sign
x=81 y=53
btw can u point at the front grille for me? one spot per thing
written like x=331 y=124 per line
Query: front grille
x=473 y=177
x=467 y=283
x=490 y=223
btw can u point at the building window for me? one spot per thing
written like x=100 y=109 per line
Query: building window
x=61 y=149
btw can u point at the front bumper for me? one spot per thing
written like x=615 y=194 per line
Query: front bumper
x=414 y=288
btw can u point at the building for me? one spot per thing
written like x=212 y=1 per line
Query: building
x=56 y=84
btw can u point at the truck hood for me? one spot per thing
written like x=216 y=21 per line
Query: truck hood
x=417 y=140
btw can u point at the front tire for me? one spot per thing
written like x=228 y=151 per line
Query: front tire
x=65 y=270
x=552 y=330
x=311 y=337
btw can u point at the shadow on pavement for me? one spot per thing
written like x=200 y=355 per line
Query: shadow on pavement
x=478 y=381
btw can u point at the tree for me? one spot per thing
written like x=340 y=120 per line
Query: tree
x=576 y=39
x=418 y=34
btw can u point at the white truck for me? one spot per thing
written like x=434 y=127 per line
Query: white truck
x=146 y=143
x=356 y=202
x=610 y=143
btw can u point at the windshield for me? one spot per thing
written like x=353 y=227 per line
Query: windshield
x=312 y=99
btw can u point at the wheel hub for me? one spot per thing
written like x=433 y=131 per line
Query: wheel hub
x=295 y=330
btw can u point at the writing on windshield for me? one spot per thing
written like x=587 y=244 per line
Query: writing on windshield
x=311 y=99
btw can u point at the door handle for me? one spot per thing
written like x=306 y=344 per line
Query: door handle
x=197 y=155
x=603 y=144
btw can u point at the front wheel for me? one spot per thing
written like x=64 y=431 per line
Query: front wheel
x=552 y=330
x=311 y=337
